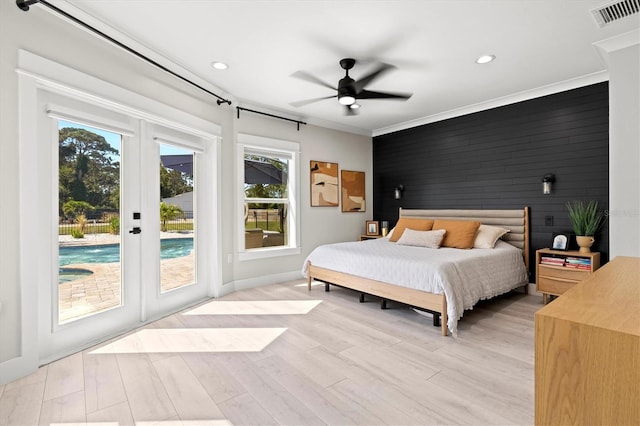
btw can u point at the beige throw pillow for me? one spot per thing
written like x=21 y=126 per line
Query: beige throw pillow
x=488 y=235
x=430 y=239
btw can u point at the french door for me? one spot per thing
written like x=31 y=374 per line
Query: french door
x=124 y=224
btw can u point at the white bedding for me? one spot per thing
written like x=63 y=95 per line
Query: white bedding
x=465 y=276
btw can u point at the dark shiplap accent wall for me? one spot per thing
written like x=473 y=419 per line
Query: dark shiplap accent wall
x=496 y=158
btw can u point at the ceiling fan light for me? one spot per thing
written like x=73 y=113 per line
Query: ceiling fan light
x=347 y=100
x=354 y=105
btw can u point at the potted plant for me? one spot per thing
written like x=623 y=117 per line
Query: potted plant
x=586 y=219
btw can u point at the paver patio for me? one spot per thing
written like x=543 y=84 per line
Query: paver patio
x=102 y=290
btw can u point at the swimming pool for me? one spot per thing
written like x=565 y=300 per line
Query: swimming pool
x=66 y=275
x=110 y=253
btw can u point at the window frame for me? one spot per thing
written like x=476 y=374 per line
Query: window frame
x=251 y=144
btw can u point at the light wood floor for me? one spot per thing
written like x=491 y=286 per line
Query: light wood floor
x=283 y=356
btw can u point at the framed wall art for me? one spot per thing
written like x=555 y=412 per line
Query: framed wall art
x=352 y=191
x=560 y=242
x=372 y=227
x=324 y=184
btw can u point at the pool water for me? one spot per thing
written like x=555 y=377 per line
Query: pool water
x=66 y=275
x=110 y=253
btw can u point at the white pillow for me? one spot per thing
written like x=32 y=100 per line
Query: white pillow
x=488 y=235
x=430 y=239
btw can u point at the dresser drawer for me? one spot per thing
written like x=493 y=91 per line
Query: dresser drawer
x=565 y=273
x=553 y=285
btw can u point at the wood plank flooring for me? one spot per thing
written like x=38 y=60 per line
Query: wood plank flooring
x=273 y=356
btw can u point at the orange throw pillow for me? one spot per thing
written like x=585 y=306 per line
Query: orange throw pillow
x=460 y=233
x=415 y=224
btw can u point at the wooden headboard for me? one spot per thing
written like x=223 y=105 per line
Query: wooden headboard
x=516 y=221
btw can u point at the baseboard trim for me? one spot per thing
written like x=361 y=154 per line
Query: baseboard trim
x=16 y=368
x=236 y=285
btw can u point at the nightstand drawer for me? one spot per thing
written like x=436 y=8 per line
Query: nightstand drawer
x=553 y=285
x=565 y=273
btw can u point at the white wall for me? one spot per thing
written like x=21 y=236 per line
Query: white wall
x=622 y=55
x=46 y=35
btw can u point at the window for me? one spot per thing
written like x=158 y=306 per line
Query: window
x=268 y=178
x=177 y=217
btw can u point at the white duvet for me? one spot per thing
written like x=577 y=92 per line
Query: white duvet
x=464 y=276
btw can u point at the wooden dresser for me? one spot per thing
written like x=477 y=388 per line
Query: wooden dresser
x=587 y=350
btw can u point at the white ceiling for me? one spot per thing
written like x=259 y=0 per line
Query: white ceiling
x=541 y=46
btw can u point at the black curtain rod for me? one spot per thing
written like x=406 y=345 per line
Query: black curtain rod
x=24 y=5
x=298 y=122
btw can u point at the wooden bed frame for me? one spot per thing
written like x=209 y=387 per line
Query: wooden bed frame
x=517 y=221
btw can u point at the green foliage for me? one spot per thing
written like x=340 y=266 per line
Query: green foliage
x=88 y=169
x=169 y=212
x=585 y=217
x=82 y=222
x=72 y=209
x=262 y=190
x=76 y=233
x=114 y=225
x=174 y=182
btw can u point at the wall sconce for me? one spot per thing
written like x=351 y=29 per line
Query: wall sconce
x=547 y=180
x=398 y=191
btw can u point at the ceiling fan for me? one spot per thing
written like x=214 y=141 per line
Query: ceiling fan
x=349 y=91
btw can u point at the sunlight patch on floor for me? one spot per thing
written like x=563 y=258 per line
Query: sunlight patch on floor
x=87 y=424
x=313 y=284
x=255 y=307
x=220 y=422
x=176 y=340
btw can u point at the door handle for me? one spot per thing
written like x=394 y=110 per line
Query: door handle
x=135 y=230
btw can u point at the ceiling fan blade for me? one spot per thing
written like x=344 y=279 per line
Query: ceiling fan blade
x=310 y=101
x=364 y=81
x=368 y=94
x=302 y=75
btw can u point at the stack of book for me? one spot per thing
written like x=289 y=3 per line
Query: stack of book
x=552 y=260
x=578 y=262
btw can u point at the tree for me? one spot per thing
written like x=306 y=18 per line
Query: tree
x=173 y=182
x=169 y=212
x=88 y=168
x=72 y=209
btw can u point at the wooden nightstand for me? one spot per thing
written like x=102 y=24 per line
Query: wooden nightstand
x=557 y=271
x=369 y=237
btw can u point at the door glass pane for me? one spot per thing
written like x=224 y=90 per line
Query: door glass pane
x=177 y=218
x=265 y=179
x=89 y=279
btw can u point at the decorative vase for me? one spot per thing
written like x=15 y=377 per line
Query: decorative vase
x=585 y=243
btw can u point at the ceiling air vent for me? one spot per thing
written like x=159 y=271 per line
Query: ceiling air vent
x=614 y=11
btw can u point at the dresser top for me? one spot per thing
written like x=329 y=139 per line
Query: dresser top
x=609 y=298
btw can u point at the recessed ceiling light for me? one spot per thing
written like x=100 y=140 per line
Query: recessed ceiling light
x=485 y=59
x=219 y=65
